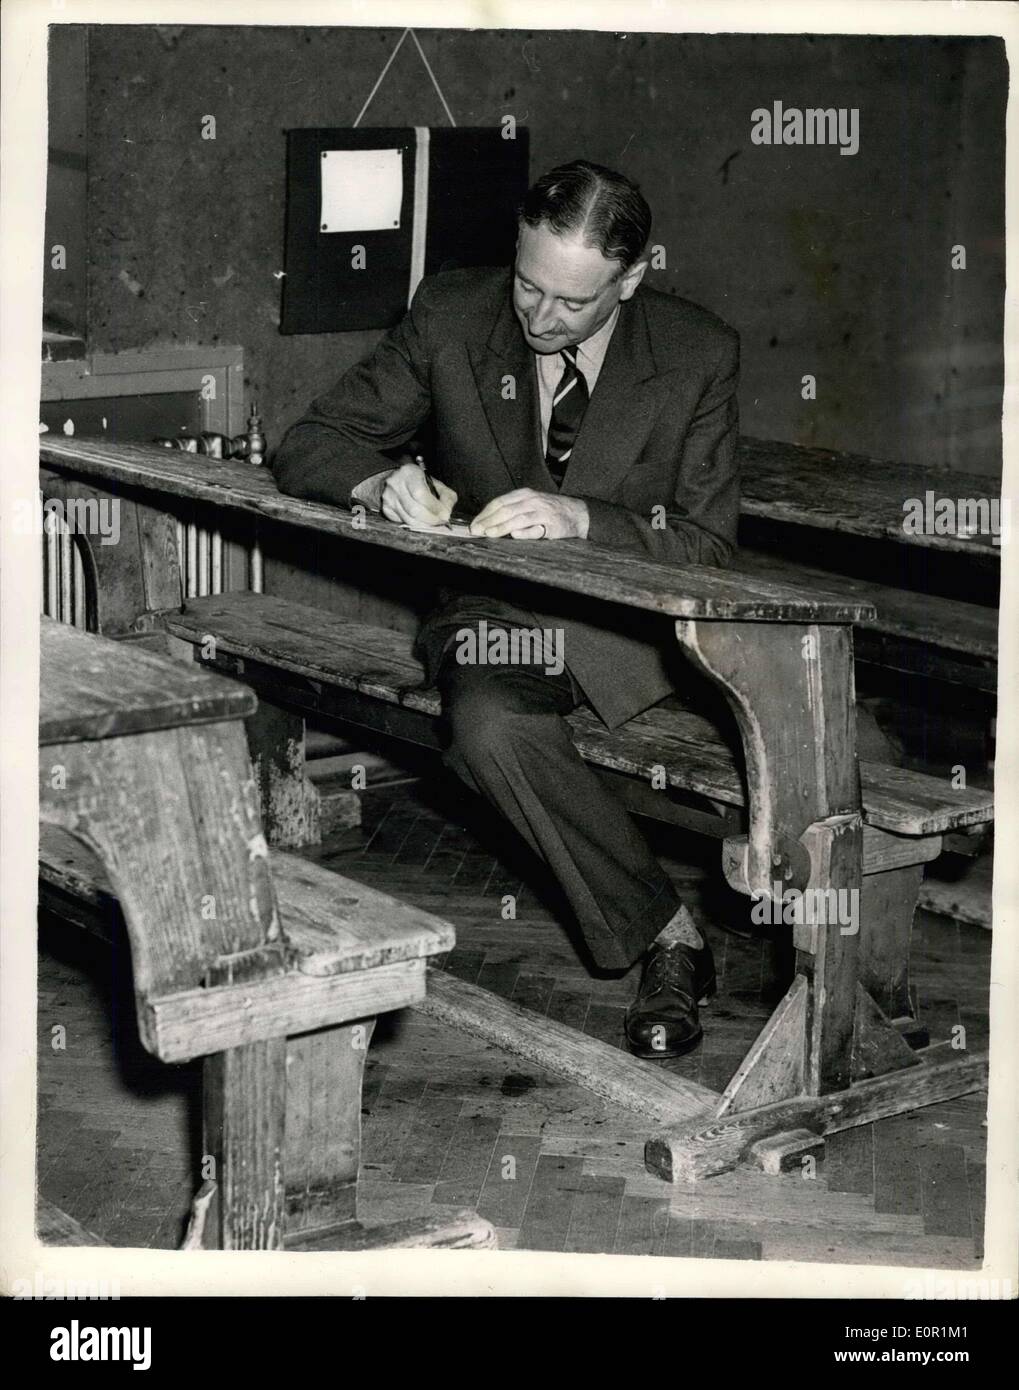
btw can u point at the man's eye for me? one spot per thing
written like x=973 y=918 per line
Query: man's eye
x=573 y=308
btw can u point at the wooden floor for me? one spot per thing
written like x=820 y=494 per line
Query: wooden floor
x=451 y=1122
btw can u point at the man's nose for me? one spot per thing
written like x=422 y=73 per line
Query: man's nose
x=542 y=319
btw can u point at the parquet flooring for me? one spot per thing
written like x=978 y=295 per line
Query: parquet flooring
x=451 y=1122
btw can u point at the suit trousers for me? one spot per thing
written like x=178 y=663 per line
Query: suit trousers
x=510 y=743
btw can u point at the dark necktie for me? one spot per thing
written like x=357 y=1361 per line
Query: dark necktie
x=568 y=406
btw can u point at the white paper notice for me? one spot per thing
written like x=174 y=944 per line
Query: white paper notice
x=362 y=190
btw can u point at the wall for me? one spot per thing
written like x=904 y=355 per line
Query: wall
x=832 y=265
x=65 y=265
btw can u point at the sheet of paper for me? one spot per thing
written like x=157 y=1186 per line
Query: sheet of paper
x=453 y=528
x=362 y=190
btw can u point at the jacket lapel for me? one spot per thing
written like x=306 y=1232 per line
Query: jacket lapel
x=621 y=411
x=616 y=423
x=511 y=409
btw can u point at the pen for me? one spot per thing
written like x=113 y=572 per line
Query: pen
x=428 y=477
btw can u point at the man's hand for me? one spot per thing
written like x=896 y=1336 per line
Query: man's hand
x=407 y=497
x=527 y=515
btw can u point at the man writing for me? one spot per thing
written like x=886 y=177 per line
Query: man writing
x=569 y=402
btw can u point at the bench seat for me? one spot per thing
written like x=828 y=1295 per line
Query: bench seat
x=361 y=953
x=913 y=632
x=253 y=630
x=352 y=952
x=333 y=925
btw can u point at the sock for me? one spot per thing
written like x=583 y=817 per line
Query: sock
x=681 y=928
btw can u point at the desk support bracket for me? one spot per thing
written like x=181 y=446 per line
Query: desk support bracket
x=828 y=1057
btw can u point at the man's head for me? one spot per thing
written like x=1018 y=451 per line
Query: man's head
x=583 y=230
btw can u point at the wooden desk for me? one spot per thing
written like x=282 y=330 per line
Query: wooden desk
x=147 y=474
x=783 y=658
x=821 y=488
x=837 y=521
x=273 y=971
x=853 y=494
x=153 y=775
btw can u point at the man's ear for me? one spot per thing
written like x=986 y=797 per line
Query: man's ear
x=631 y=278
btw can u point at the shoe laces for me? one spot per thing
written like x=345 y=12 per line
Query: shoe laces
x=673 y=969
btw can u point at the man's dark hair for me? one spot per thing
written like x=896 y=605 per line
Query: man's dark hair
x=607 y=209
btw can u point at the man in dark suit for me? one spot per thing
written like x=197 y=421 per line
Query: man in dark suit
x=568 y=402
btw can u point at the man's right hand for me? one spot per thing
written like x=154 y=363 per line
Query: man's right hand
x=407 y=498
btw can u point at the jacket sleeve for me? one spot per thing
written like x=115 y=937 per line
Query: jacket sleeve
x=378 y=404
x=700 y=518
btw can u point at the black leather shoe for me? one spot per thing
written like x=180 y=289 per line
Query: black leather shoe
x=663 y=1021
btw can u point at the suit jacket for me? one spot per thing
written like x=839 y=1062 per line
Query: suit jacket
x=659 y=432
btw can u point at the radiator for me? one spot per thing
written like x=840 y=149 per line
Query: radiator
x=201 y=561
x=200 y=553
x=64 y=595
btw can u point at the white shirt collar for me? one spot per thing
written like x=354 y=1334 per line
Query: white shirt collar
x=593 y=349
x=590 y=356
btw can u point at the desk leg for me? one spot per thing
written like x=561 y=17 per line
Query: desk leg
x=325 y=1071
x=791 y=689
x=244 y=1100
x=173 y=817
x=827 y=951
x=890 y=898
x=288 y=799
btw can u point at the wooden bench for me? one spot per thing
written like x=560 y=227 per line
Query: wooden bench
x=782 y=658
x=273 y=969
x=915 y=633
x=817 y=516
x=311 y=662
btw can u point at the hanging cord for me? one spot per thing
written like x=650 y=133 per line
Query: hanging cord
x=389 y=64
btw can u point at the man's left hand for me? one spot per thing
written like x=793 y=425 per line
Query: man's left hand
x=527 y=515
